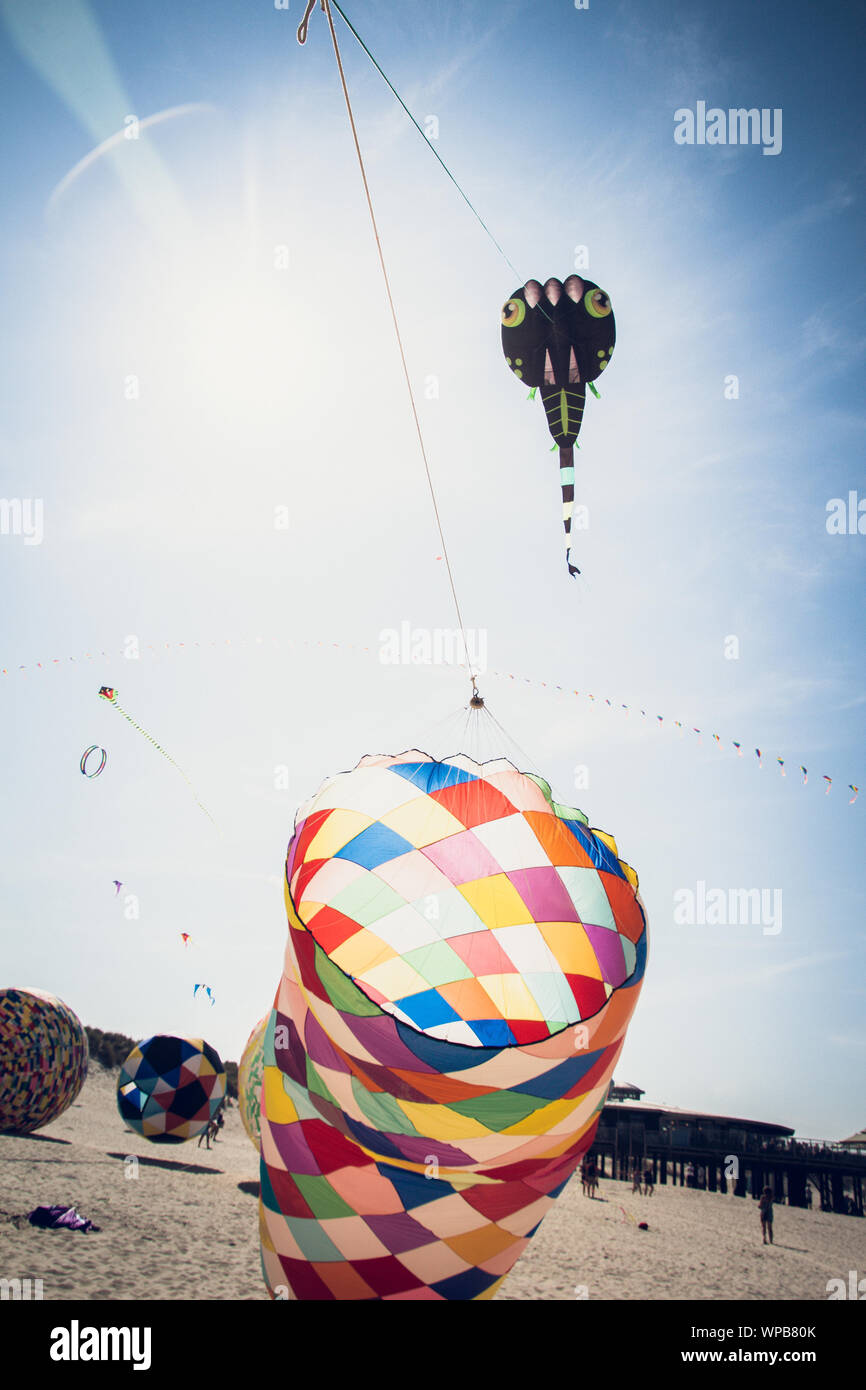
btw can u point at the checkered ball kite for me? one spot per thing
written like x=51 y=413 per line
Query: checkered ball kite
x=464 y=957
x=170 y=1088
x=43 y=1059
x=250 y=1069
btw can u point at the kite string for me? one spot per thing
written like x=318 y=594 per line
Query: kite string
x=393 y=89
x=327 y=8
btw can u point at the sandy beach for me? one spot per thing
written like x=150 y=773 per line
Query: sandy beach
x=181 y=1223
x=178 y=1227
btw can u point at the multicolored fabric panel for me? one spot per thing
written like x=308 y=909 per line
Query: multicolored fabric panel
x=460 y=903
x=464 y=956
x=43 y=1059
x=170 y=1088
x=250 y=1069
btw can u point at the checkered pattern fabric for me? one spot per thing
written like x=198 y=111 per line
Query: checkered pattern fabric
x=170 y=1088
x=43 y=1059
x=250 y=1069
x=464 y=957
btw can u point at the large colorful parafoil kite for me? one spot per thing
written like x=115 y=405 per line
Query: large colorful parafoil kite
x=464 y=956
x=170 y=1088
x=250 y=1070
x=43 y=1059
x=557 y=338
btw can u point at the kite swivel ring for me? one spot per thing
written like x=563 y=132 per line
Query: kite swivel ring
x=302 y=27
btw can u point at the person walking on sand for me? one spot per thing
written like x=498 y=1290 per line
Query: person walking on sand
x=765 y=1207
x=648 y=1181
x=593 y=1178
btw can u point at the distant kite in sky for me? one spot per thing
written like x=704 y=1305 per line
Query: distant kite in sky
x=208 y=991
x=86 y=758
x=108 y=692
x=558 y=338
x=186 y=938
x=117 y=886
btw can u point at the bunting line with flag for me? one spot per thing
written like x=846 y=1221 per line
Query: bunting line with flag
x=260 y=641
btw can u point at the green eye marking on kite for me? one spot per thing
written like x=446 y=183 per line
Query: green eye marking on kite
x=597 y=303
x=514 y=313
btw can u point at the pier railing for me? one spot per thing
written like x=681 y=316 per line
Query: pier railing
x=640 y=1140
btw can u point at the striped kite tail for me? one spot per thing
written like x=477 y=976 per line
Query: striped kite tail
x=566 y=480
x=563 y=406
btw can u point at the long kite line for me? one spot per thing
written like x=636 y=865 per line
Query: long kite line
x=107 y=692
x=302 y=34
x=426 y=140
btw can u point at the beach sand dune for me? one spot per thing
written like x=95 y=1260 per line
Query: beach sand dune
x=182 y=1223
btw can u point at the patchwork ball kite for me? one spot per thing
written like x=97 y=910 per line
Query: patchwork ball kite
x=558 y=338
x=43 y=1059
x=464 y=957
x=250 y=1069
x=170 y=1088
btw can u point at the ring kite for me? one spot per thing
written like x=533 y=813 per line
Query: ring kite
x=464 y=957
x=558 y=337
x=94 y=748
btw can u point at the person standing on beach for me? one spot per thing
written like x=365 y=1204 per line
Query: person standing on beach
x=765 y=1207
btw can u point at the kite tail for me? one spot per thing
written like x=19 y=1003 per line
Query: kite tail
x=112 y=699
x=566 y=479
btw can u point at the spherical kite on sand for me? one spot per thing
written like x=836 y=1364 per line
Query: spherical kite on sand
x=250 y=1071
x=170 y=1088
x=43 y=1059
x=464 y=957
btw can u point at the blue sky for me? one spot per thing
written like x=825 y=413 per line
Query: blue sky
x=261 y=387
